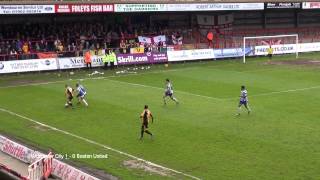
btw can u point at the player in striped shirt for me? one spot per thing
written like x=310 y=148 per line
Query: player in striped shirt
x=243 y=100
x=169 y=92
x=69 y=96
x=145 y=117
x=81 y=94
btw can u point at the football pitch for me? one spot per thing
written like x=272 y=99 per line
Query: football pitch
x=199 y=138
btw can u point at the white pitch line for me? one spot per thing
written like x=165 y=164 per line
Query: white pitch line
x=111 y=76
x=97 y=144
x=93 y=78
x=158 y=88
x=277 y=92
x=161 y=71
x=215 y=98
x=286 y=91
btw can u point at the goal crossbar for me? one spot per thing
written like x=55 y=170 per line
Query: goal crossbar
x=267 y=37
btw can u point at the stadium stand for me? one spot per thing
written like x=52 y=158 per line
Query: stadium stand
x=34 y=36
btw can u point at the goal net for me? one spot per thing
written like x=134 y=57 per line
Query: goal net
x=41 y=169
x=280 y=44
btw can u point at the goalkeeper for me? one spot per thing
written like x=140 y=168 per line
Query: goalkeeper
x=270 y=52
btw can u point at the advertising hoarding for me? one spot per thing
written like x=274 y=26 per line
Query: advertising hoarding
x=26 y=9
x=84 y=8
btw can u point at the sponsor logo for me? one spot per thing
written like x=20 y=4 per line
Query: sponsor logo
x=76 y=60
x=17 y=151
x=132 y=59
x=48 y=8
x=273 y=5
x=277 y=49
x=190 y=54
x=1 y=66
x=47 y=62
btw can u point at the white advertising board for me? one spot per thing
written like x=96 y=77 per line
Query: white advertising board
x=140 y=7
x=287 y=48
x=186 y=55
x=28 y=65
x=26 y=9
x=277 y=49
x=78 y=62
x=216 y=7
x=309 y=47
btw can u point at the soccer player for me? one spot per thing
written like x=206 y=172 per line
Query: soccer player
x=81 y=94
x=145 y=118
x=243 y=100
x=69 y=95
x=169 y=92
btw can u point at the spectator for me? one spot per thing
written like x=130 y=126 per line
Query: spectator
x=37 y=47
x=123 y=47
x=13 y=51
x=57 y=42
x=87 y=60
x=25 y=48
x=112 y=58
x=13 y=54
x=105 y=59
x=60 y=47
x=42 y=45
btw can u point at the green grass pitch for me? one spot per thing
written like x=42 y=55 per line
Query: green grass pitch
x=201 y=136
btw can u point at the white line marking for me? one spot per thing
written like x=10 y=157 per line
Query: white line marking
x=154 y=87
x=162 y=71
x=215 y=98
x=120 y=75
x=93 y=78
x=286 y=91
x=97 y=144
x=278 y=92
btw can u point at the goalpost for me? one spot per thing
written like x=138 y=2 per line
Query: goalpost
x=296 y=51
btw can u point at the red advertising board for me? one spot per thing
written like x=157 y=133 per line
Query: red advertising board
x=84 y=8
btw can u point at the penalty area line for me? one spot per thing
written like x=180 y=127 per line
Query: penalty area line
x=98 y=144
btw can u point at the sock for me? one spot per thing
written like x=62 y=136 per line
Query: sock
x=148 y=132
x=85 y=102
x=141 y=134
x=239 y=110
x=175 y=99
x=248 y=108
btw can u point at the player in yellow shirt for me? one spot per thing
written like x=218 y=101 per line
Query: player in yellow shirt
x=145 y=117
x=270 y=52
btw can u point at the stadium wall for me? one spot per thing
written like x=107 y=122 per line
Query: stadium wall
x=60 y=169
x=150 y=58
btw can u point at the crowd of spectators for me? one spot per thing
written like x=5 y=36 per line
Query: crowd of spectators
x=25 y=41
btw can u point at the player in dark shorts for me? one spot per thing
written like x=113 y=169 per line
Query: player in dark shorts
x=168 y=92
x=145 y=118
x=243 y=100
x=69 y=96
